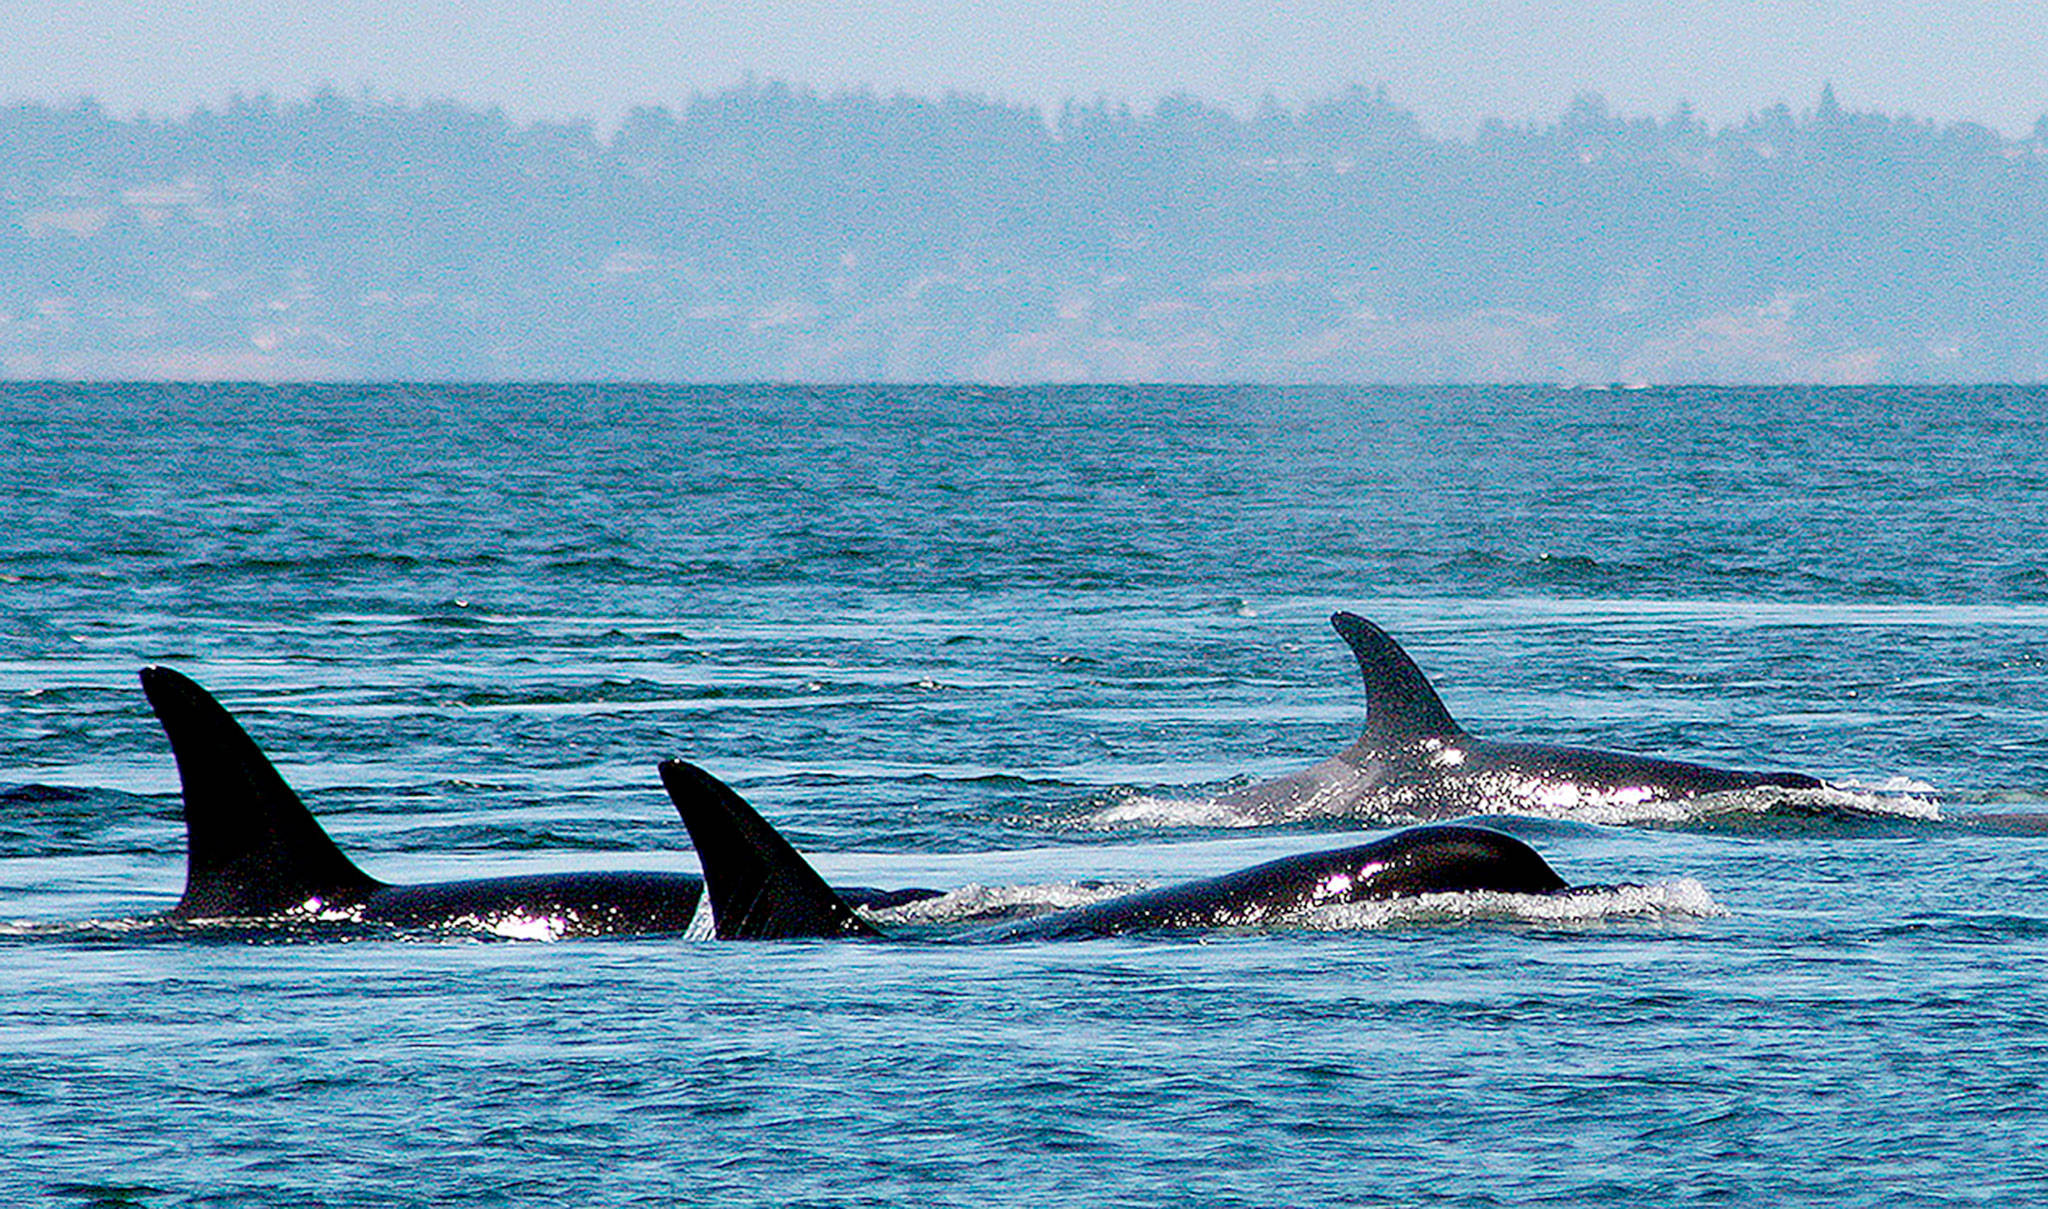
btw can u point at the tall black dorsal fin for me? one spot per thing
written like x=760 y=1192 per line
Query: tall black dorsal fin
x=1400 y=706
x=760 y=888
x=251 y=847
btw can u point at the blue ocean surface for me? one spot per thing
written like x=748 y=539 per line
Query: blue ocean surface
x=1010 y=644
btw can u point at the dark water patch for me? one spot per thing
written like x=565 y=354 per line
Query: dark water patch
x=361 y=564
x=112 y=1196
x=26 y=798
x=1575 y=568
x=54 y=821
x=1965 y=926
x=2028 y=583
x=453 y=615
x=605 y=566
x=16 y=577
x=2003 y=822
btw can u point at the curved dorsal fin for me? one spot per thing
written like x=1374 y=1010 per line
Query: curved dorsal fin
x=1400 y=706
x=759 y=887
x=251 y=847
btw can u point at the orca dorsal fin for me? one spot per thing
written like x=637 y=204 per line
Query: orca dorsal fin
x=251 y=847
x=760 y=888
x=1400 y=706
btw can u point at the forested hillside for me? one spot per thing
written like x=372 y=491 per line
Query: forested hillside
x=769 y=233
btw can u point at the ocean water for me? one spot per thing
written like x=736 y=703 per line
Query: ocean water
x=1009 y=644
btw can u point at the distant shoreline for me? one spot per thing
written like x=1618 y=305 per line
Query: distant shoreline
x=770 y=233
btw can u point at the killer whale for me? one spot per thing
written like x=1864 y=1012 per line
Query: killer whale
x=254 y=851
x=761 y=888
x=1413 y=760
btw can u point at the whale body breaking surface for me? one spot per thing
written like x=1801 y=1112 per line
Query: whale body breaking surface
x=761 y=888
x=1414 y=762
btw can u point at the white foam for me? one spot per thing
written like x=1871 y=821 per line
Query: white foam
x=1903 y=797
x=703 y=925
x=317 y=910
x=1897 y=797
x=1145 y=810
x=1682 y=899
x=59 y=928
x=976 y=901
x=520 y=925
x=1619 y=807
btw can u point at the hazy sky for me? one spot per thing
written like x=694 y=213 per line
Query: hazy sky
x=1452 y=61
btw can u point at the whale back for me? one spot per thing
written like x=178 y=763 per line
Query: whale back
x=252 y=848
x=1440 y=859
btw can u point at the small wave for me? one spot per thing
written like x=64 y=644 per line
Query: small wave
x=1394 y=809
x=613 y=565
x=1148 y=810
x=357 y=562
x=35 y=793
x=158 y=928
x=314 y=920
x=1842 y=802
x=43 y=929
x=1568 y=566
x=1894 y=786
x=1896 y=799
x=1682 y=899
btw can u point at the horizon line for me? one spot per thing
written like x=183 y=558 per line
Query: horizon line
x=1297 y=105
